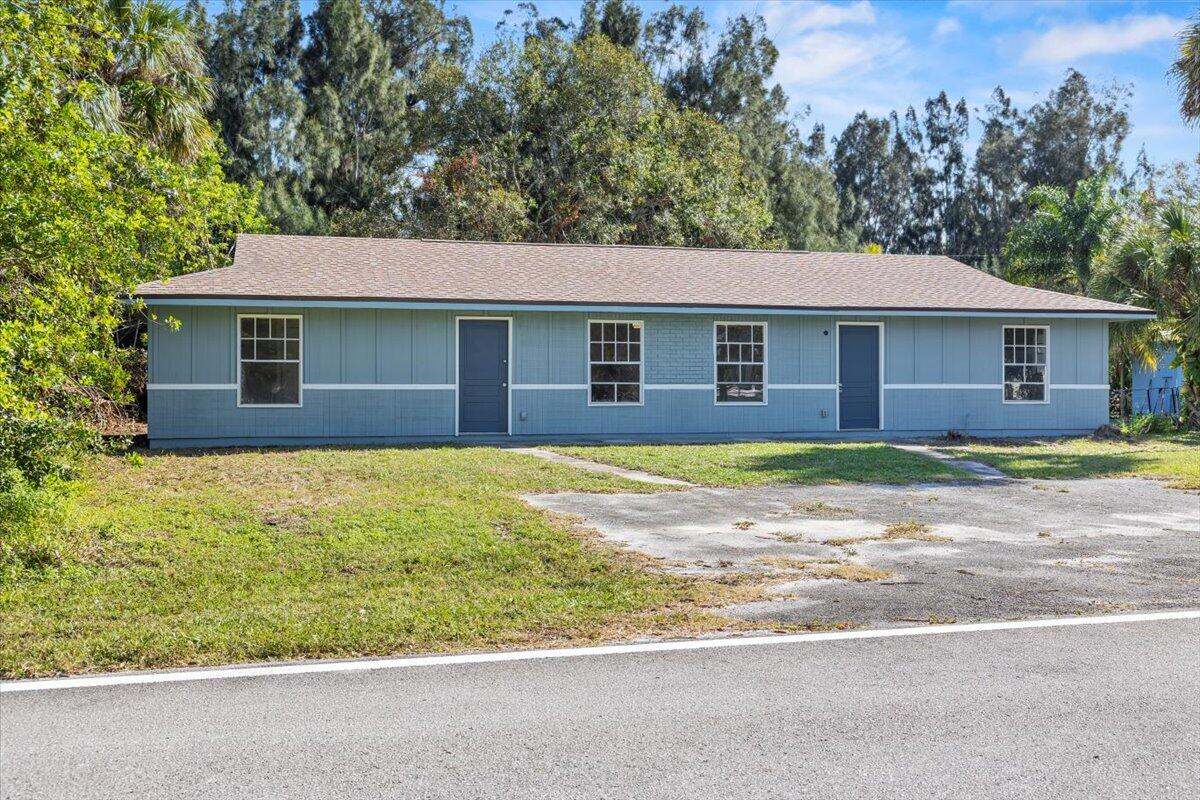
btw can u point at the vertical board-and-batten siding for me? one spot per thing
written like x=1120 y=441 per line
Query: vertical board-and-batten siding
x=379 y=374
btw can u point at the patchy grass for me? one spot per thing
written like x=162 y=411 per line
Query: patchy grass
x=763 y=463
x=236 y=556
x=841 y=570
x=916 y=531
x=1174 y=458
x=897 y=531
x=819 y=509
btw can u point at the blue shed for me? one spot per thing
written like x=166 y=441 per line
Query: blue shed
x=1156 y=391
x=321 y=340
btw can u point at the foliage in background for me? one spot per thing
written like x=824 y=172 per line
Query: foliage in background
x=86 y=213
x=574 y=141
x=1154 y=262
x=1186 y=71
x=1063 y=235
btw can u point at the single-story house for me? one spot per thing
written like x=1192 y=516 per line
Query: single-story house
x=315 y=340
x=1156 y=390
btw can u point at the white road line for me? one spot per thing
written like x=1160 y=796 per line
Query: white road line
x=220 y=673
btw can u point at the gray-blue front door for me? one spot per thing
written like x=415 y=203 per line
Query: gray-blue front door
x=858 y=377
x=482 y=376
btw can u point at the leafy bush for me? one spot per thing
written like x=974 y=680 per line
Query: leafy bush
x=34 y=529
x=1143 y=424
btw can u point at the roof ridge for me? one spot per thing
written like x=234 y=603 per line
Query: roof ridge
x=686 y=248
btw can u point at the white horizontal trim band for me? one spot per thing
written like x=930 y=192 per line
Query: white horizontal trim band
x=583 y=386
x=194 y=386
x=803 y=386
x=990 y=386
x=381 y=386
x=995 y=386
x=551 y=386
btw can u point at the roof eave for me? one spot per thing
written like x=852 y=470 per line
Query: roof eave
x=1130 y=312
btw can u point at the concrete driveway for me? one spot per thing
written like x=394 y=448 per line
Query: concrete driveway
x=1001 y=549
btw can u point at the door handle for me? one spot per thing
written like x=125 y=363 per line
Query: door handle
x=504 y=384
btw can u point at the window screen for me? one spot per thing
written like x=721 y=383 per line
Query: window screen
x=1025 y=351
x=615 y=362
x=741 y=361
x=269 y=361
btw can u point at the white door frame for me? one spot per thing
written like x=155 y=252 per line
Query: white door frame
x=837 y=371
x=508 y=382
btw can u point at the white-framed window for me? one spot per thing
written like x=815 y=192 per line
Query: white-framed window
x=741 y=362
x=614 y=362
x=269 y=360
x=1026 y=363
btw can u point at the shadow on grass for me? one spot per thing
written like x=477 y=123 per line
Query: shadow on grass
x=850 y=463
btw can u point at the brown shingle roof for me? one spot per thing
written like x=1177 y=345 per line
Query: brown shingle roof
x=329 y=268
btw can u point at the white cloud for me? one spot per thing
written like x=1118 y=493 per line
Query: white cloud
x=1065 y=43
x=788 y=18
x=817 y=57
x=946 y=26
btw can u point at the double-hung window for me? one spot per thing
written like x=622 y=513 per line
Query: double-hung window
x=269 y=360
x=741 y=360
x=615 y=362
x=1026 y=349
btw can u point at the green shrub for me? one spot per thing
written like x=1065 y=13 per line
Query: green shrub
x=34 y=526
x=1144 y=424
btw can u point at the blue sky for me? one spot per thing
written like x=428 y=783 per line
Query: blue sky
x=843 y=57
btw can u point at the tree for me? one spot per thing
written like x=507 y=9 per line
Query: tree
x=253 y=54
x=85 y=215
x=1074 y=133
x=1186 y=71
x=873 y=167
x=995 y=188
x=153 y=85
x=733 y=86
x=429 y=51
x=619 y=21
x=1058 y=244
x=355 y=134
x=579 y=138
x=1155 y=262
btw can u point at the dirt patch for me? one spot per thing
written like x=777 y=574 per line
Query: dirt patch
x=819 y=509
x=840 y=570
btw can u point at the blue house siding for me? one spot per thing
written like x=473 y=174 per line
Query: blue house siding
x=1154 y=389
x=380 y=374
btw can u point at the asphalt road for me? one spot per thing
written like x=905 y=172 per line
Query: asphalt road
x=1104 y=711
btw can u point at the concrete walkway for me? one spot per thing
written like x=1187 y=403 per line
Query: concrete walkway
x=984 y=471
x=593 y=466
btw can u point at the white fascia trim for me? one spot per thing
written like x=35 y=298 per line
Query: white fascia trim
x=943 y=386
x=804 y=386
x=550 y=387
x=990 y=386
x=381 y=386
x=196 y=387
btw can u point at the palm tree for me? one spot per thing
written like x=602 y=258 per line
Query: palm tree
x=153 y=87
x=1186 y=70
x=1155 y=263
x=1057 y=244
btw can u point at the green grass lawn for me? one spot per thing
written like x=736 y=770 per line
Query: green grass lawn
x=762 y=463
x=1174 y=458
x=260 y=555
